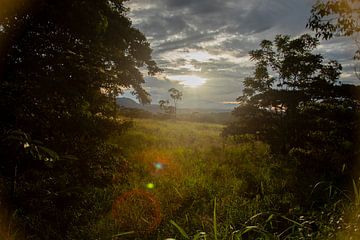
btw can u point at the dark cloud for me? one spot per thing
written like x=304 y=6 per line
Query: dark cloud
x=211 y=39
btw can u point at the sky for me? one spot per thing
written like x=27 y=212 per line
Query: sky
x=202 y=45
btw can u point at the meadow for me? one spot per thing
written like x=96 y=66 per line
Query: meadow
x=186 y=181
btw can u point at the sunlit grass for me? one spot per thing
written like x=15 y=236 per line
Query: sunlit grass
x=198 y=185
x=196 y=166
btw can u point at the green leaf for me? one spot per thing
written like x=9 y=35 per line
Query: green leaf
x=180 y=229
x=49 y=152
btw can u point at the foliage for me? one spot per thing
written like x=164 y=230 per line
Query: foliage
x=197 y=166
x=255 y=191
x=337 y=18
x=62 y=64
x=165 y=106
x=176 y=95
x=295 y=103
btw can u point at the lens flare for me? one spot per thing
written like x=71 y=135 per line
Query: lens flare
x=159 y=163
x=158 y=166
x=150 y=186
x=137 y=210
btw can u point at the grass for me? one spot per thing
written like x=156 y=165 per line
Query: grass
x=186 y=182
x=188 y=165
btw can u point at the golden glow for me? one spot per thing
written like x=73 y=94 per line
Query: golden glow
x=201 y=56
x=230 y=102
x=188 y=80
x=188 y=54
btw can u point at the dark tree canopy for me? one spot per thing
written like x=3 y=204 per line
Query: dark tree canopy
x=295 y=102
x=336 y=18
x=62 y=63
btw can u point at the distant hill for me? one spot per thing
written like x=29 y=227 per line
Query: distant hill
x=136 y=110
x=155 y=108
x=129 y=103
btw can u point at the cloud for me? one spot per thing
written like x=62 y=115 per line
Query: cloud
x=211 y=39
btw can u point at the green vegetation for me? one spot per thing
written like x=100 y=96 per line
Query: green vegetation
x=176 y=96
x=203 y=186
x=333 y=18
x=299 y=110
x=62 y=63
x=72 y=168
x=336 y=18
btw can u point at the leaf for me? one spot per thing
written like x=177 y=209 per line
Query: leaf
x=255 y=229
x=182 y=232
x=356 y=193
x=215 y=224
x=292 y=221
x=49 y=152
x=123 y=234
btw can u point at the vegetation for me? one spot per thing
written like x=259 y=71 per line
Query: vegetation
x=204 y=186
x=62 y=64
x=73 y=167
x=299 y=109
x=165 y=106
x=176 y=96
x=337 y=18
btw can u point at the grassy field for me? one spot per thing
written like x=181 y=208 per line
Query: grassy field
x=185 y=181
x=177 y=170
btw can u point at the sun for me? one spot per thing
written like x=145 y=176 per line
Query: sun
x=189 y=80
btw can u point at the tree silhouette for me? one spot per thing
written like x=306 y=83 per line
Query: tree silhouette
x=165 y=106
x=61 y=65
x=337 y=18
x=296 y=104
x=176 y=95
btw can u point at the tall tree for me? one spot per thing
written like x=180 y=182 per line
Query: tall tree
x=295 y=103
x=176 y=95
x=61 y=65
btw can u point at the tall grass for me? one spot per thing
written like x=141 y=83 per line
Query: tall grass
x=208 y=187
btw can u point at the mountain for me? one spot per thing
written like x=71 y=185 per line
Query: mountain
x=155 y=108
x=136 y=110
x=129 y=103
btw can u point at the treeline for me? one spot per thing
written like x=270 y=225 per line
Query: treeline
x=205 y=117
x=295 y=102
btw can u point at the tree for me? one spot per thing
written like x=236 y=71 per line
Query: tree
x=61 y=65
x=165 y=106
x=295 y=103
x=336 y=18
x=176 y=95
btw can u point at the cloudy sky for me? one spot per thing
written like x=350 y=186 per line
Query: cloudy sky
x=203 y=45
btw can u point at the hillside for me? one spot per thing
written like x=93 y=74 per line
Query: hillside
x=129 y=103
x=155 y=108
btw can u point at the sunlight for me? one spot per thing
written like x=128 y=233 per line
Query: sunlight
x=188 y=80
x=201 y=56
x=188 y=54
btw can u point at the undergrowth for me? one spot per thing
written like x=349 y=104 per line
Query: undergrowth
x=187 y=182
